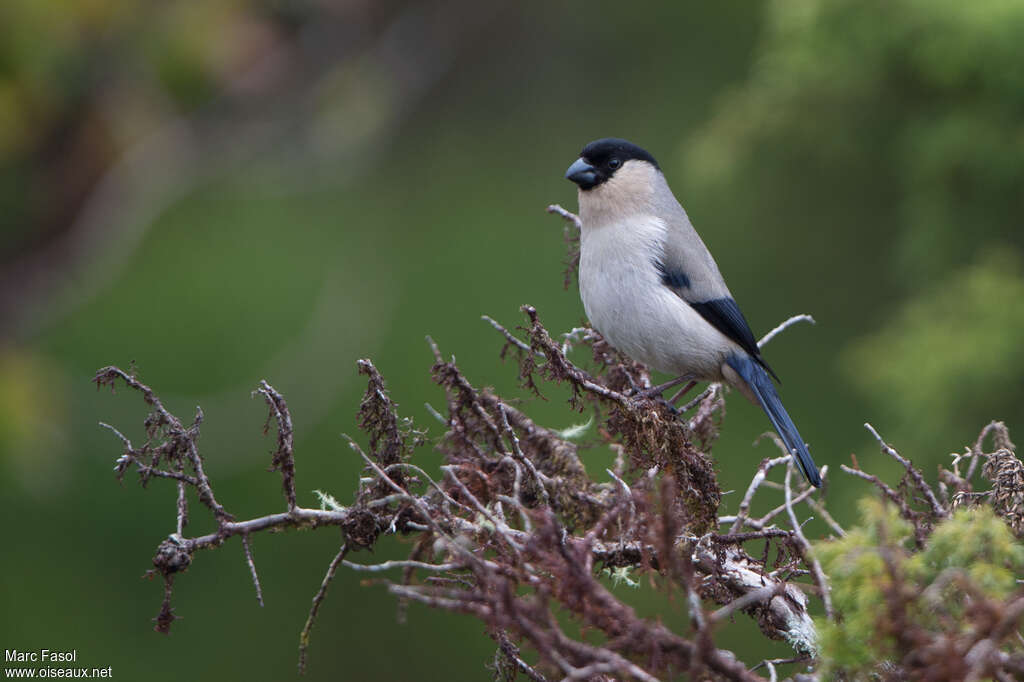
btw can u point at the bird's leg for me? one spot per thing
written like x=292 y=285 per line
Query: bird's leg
x=658 y=390
x=683 y=391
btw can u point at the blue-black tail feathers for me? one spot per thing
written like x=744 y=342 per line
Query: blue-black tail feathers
x=764 y=390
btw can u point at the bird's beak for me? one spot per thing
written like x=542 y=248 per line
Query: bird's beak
x=582 y=173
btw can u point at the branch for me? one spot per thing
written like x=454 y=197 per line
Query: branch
x=512 y=530
x=318 y=599
x=819 y=575
x=284 y=456
x=180 y=444
x=573 y=226
x=252 y=568
x=782 y=327
x=937 y=509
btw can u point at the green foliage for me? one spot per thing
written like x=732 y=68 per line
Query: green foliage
x=885 y=592
x=877 y=144
x=955 y=340
x=909 y=112
x=978 y=543
x=859 y=581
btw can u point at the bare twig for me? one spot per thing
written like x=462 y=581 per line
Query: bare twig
x=314 y=609
x=937 y=509
x=181 y=506
x=821 y=511
x=509 y=336
x=297 y=518
x=746 y=601
x=252 y=568
x=782 y=327
x=389 y=565
x=1002 y=440
x=703 y=395
x=771 y=663
x=517 y=450
x=755 y=483
x=511 y=652
x=554 y=356
x=568 y=216
x=894 y=497
x=816 y=571
x=805 y=494
x=179 y=436
x=284 y=456
x=573 y=227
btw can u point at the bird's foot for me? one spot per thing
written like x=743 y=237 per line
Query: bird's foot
x=656 y=391
x=672 y=409
x=683 y=391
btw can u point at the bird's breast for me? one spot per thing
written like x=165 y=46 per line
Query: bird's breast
x=626 y=301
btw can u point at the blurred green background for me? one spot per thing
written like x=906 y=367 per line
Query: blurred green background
x=241 y=189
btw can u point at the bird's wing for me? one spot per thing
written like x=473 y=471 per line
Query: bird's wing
x=688 y=269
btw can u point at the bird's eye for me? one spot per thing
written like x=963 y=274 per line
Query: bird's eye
x=614 y=163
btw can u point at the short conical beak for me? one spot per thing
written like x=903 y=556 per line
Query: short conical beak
x=582 y=173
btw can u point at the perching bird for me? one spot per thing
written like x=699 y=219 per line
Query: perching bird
x=651 y=287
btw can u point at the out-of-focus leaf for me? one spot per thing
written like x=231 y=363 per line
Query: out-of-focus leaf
x=951 y=353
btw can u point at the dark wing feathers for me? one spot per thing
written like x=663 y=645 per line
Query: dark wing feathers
x=673 y=278
x=726 y=317
x=722 y=313
x=700 y=285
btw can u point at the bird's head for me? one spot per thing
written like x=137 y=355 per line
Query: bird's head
x=613 y=175
x=608 y=158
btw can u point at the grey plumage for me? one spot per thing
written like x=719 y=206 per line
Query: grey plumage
x=652 y=288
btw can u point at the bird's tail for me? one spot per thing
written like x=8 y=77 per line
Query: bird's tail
x=764 y=391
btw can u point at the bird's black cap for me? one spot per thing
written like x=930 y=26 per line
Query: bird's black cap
x=601 y=158
x=601 y=151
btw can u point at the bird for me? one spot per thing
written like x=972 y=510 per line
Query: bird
x=650 y=286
